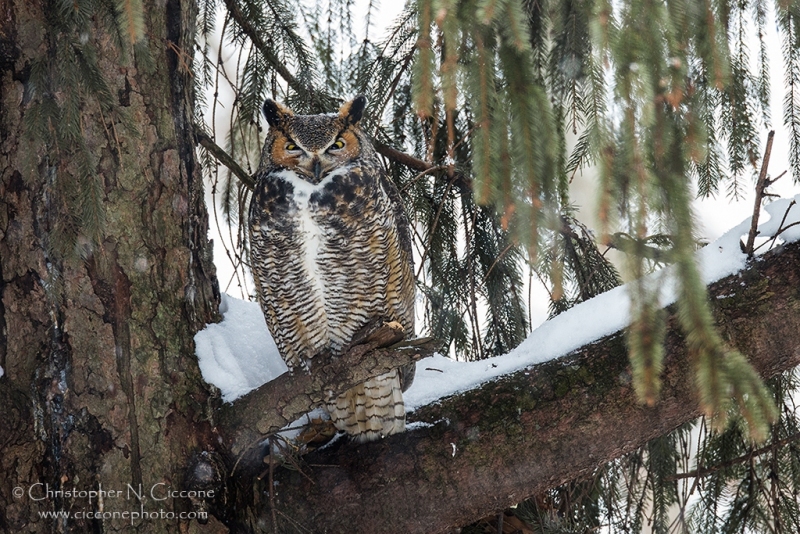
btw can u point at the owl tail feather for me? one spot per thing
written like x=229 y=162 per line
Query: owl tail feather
x=371 y=410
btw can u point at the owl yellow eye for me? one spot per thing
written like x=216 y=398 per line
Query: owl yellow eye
x=338 y=145
x=291 y=147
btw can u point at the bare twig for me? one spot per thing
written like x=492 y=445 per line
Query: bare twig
x=760 y=187
x=298 y=526
x=496 y=260
x=421 y=175
x=433 y=227
x=781 y=228
x=395 y=82
x=622 y=241
x=272 y=486
x=772 y=181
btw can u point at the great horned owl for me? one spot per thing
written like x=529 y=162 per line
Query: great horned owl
x=330 y=251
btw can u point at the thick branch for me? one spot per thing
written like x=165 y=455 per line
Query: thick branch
x=408 y=160
x=492 y=447
x=283 y=400
x=223 y=157
x=415 y=164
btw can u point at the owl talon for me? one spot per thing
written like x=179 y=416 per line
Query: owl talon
x=302 y=365
x=394 y=325
x=382 y=334
x=317 y=433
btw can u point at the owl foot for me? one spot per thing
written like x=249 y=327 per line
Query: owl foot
x=379 y=332
x=303 y=365
x=394 y=325
x=318 y=432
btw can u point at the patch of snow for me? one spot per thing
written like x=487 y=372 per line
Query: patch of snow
x=419 y=424
x=2 y=372
x=239 y=355
x=776 y=211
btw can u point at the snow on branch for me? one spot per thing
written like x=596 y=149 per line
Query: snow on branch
x=238 y=355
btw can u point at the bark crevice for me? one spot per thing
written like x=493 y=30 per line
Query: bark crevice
x=113 y=288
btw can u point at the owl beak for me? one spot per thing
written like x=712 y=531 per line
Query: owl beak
x=316 y=168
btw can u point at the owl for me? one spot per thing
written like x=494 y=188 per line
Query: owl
x=330 y=250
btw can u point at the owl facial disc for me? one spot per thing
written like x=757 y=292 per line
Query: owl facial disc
x=314 y=145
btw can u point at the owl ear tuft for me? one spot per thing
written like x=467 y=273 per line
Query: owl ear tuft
x=351 y=111
x=275 y=112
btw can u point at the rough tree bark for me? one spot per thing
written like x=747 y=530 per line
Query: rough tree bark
x=101 y=385
x=490 y=448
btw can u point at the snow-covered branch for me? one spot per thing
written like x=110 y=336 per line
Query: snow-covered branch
x=491 y=447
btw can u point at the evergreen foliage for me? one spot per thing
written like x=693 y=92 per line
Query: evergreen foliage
x=65 y=81
x=496 y=86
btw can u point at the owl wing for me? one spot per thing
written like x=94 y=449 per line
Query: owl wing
x=368 y=274
x=402 y=257
x=290 y=298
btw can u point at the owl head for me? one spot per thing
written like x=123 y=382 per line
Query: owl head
x=313 y=145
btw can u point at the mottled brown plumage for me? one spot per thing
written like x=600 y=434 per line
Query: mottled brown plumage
x=331 y=250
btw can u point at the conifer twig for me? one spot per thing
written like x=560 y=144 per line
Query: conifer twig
x=760 y=187
x=319 y=97
x=258 y=42
x=744 y=458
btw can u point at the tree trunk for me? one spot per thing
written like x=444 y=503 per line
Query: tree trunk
x=101 y=385
x=490 y=448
